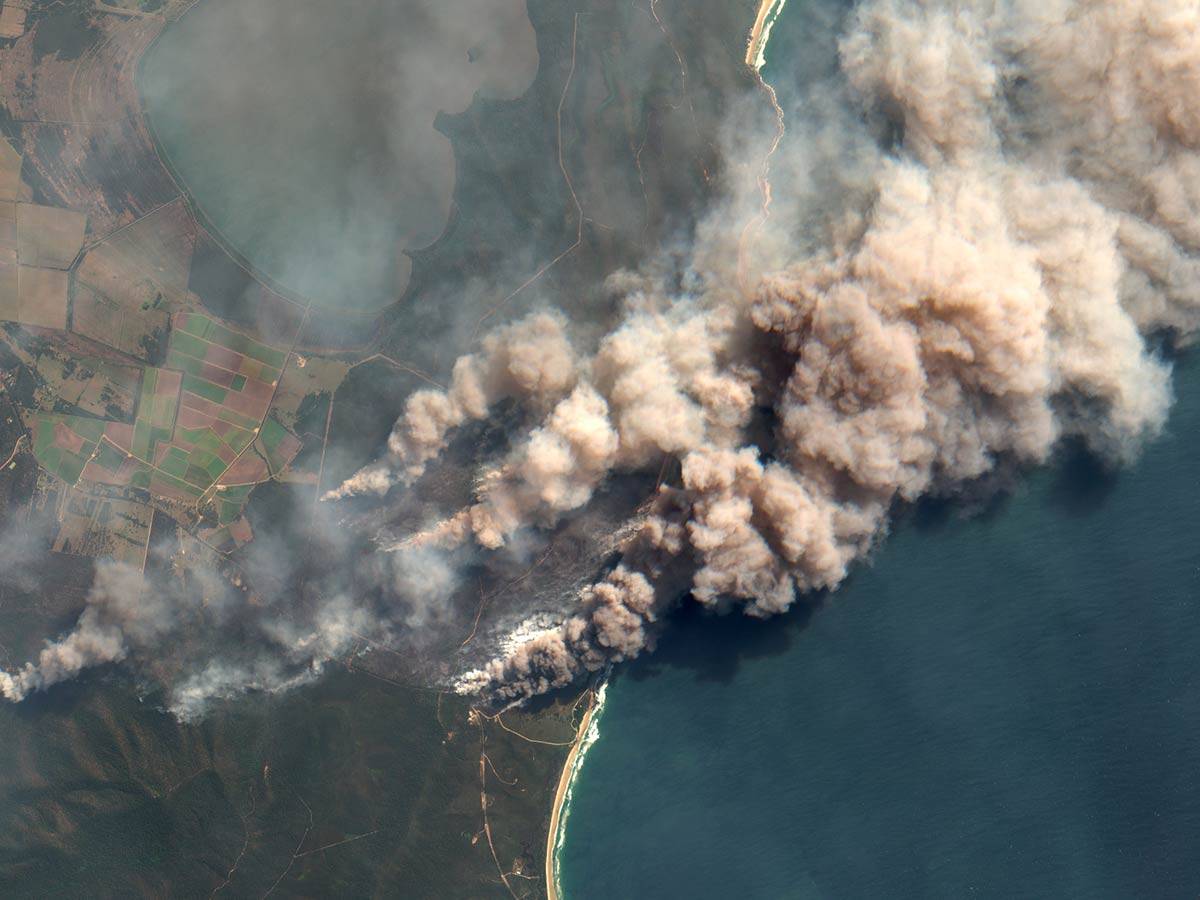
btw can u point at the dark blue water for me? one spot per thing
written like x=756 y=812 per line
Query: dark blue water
x=1007 y=706
x=999 y=706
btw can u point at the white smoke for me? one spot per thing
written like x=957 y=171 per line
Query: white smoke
x=177 y=619
x=120 y=613
x=992 y=206
x=1037 y=218
x=224 y=680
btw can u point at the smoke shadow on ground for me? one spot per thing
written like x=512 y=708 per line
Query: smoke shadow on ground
x=714 y=645
x=1081 y=482
x=64 y=698
x=936 y=514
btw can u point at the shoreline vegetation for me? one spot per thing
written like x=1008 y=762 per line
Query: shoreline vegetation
x=584 y=738
x=588 y=732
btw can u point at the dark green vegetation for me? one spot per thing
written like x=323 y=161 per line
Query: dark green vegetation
x=364 y=783
x=353 y=787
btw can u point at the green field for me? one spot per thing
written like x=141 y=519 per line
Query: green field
x=53 y=436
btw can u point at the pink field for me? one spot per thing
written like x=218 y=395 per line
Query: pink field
x=249 y=469
x=64 y=437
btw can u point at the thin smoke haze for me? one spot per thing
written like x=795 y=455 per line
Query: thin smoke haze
x=988 y=294
x=978 y=222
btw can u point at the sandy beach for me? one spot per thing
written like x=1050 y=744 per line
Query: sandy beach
x=767 y=11
x=560 y=795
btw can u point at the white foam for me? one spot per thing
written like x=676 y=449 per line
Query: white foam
x=590 y=737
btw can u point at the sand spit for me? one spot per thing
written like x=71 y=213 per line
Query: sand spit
x=756 y=47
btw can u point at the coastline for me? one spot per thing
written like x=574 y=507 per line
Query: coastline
x=760 y=33
x=756 y=47
x=584 y=738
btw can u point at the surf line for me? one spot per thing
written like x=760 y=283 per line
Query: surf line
x=589 y=730
x=756 y=47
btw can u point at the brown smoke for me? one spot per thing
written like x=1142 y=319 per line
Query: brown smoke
x=990 y=209
x=1037 y=219
x=531 y=360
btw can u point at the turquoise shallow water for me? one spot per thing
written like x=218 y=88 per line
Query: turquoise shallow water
x=1000 y=706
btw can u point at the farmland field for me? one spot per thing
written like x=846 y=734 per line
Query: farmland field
x=235 y=236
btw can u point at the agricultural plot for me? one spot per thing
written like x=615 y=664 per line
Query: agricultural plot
x=37 y=245
x=95 y=386
x=202 y=429
x=230 y=502
x=10 y=309
x=63 y=445
x=125 y=285
x=136 y=331
x=229 y=536
x=11 y=186
x=103 y=527
x=312 y=375
x=157 y=411
x=48 y=237
x=278 y=445
x=12 y=19
x=42 y=297
x=229 y=382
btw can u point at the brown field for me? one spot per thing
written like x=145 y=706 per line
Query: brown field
x=130 y=330
x=80 y=127
x=125 y=284
x=101 y=388
x=37 y=244
x=11 y=186
x=229 y=537
x=103 y=527
x=12 y=19
x=250 y=469
x=9 y=308
x=8 y=225
x=48 y=237
x=151 y=256
x=42 y=297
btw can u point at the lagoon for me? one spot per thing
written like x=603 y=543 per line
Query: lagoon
x=306 y=132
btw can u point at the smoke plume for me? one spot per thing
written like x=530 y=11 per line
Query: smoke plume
x=978 y=219
x=530 y=359
x=119 y=613
x=985 y=290
x=202 y=628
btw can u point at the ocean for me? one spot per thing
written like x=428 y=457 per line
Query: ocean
x=1002 y=704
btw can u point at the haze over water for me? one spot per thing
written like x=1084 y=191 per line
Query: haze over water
x=1003 y=705
x=306 y=131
